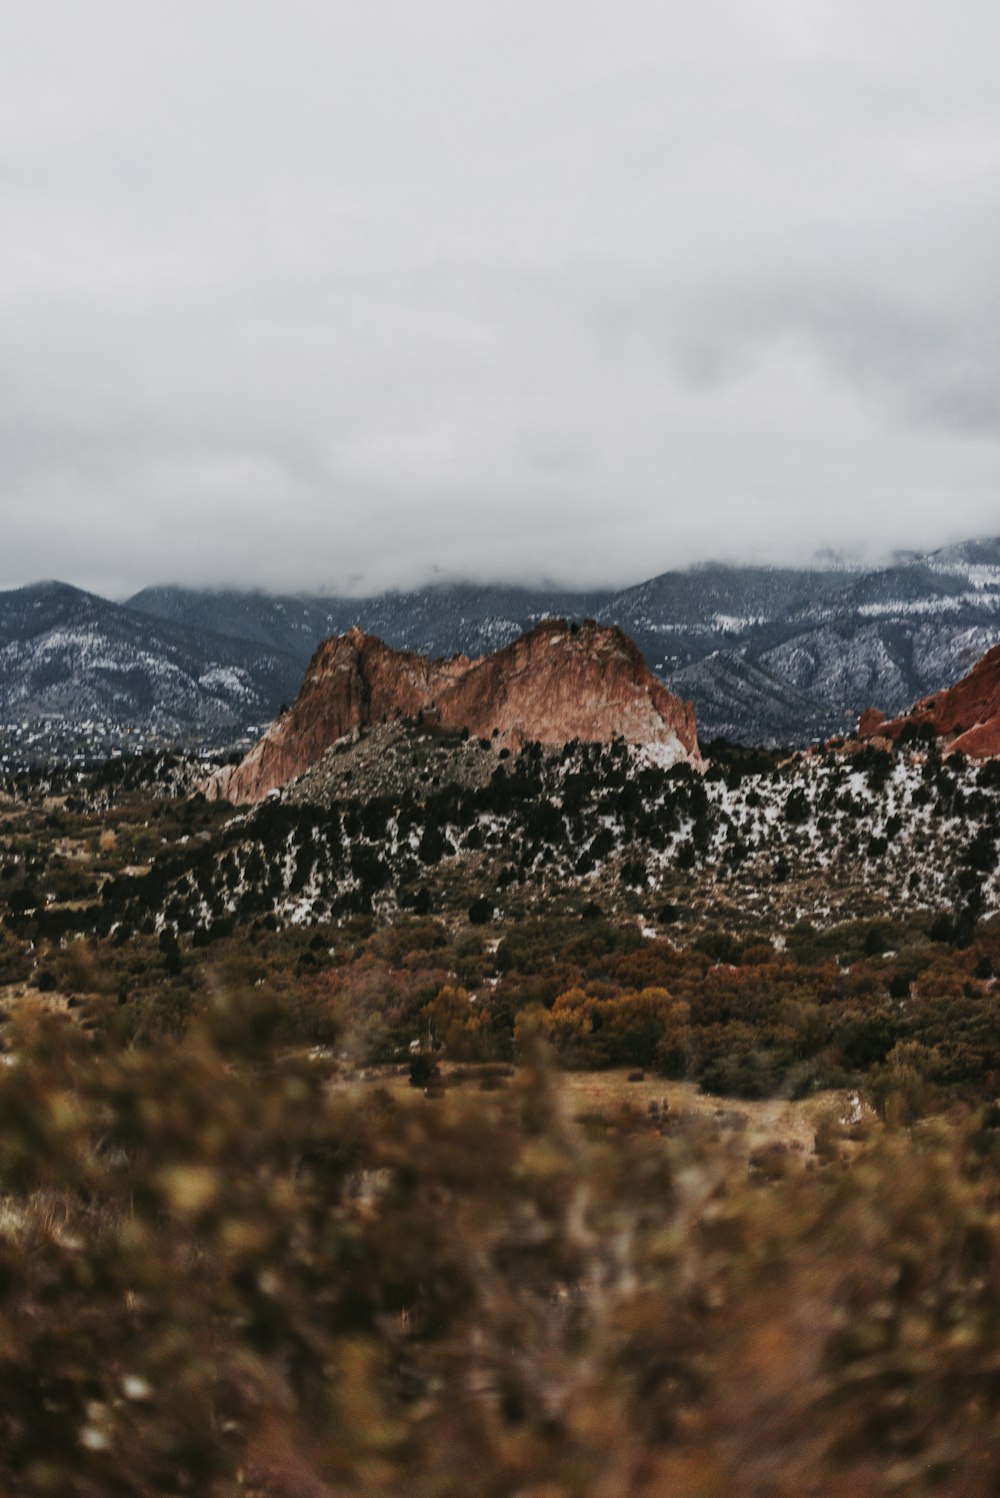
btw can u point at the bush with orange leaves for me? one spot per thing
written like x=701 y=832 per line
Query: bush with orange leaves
x=644 y=1028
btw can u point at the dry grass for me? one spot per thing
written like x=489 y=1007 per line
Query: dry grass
x=745 y=1126
x=24 y=999
x=754 y=1123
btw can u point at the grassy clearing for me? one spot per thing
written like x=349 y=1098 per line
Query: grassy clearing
x=744 y=1126
x=752 y=1122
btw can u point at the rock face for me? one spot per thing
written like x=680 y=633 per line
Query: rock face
x=966 y=716
x=557 y=683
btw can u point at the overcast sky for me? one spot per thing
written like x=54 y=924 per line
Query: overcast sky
x=357 y=293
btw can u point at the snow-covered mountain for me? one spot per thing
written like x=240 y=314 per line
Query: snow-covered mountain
x=768 y=654
x=68 y=654
x=883 y=637
x=445 y=620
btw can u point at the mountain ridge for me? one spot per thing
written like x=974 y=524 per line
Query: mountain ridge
x=770 y=655
x=66 y=653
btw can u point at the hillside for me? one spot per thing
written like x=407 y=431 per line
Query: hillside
x=68 y=654
x=413 y=817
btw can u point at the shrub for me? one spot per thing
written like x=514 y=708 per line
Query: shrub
x=424 y=1069
x=481 y=911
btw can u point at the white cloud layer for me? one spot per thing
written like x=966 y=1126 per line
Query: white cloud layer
x=338 y=294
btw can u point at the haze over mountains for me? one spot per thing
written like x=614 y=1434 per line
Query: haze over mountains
x=767 y=654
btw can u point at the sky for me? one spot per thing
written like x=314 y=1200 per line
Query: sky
x=324 y=294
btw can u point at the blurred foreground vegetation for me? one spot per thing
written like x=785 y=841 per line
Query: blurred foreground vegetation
x=225 y=1272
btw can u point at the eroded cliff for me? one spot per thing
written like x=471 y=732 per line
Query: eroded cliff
x=556 y=683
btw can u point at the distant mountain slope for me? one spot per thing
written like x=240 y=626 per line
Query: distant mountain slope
x=678 y=617
x=445 y=620
x=798 y=665
x=768 y=654
x=809 y=684
x=69 y=654
x=293 y=626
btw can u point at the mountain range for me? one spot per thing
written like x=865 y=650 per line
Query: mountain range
x=769 y=655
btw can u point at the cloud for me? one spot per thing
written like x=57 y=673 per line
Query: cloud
x=314 y=294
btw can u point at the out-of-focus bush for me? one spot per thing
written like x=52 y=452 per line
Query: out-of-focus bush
x=224 y=1273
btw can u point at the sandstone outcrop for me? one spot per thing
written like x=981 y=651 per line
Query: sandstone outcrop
x=965 y=716
x=557 y=683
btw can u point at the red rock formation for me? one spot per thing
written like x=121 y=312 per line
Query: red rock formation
x=966 y=716
x=558 y=682
x=871 y=724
